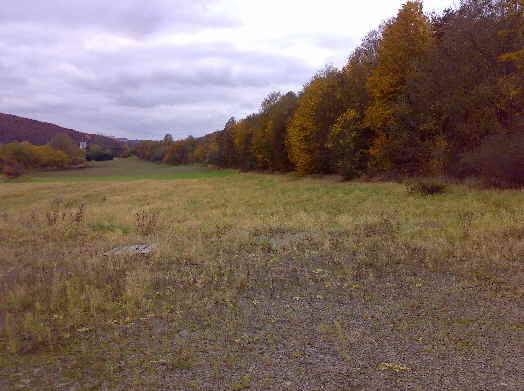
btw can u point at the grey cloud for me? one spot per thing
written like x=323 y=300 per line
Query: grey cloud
x=129 y=16
x=8 y=78
x=235 y=69
x=141 y=90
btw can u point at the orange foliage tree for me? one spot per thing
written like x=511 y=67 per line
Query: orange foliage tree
x=405 y=42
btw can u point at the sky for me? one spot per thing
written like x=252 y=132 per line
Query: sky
x=141 y=69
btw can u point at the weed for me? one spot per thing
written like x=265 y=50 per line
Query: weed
x=465 y=219
x=385 y=226
x=343 y=341
x=79 y=214
x=243 y=384
x=393 y=367
x=181 y=363
x=146 y=222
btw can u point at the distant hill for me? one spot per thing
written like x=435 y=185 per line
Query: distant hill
x=14 y=128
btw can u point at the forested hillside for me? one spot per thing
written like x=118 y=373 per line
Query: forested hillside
x=438 y=94
x=14 y=128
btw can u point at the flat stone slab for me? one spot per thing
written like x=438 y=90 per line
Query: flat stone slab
x=138 y=249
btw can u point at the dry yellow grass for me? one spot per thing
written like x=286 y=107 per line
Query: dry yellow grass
x=227 y=247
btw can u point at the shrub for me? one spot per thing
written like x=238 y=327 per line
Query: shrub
x=97 y=153
x=425 y=188
x=99 y=156
x=146 y=222
x=14 y=170
x=19 y=157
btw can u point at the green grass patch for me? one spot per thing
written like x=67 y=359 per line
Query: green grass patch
x=122 y=170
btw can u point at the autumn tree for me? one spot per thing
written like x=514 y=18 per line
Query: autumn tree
x=96 y=153
x=511 y=83
x=62 y=142
x=226 y=145
x=438 y=94
x=261 y=142
x=269 y=131
x=404 y=44
x=243 y=139
x=180 y=152
x=348 y=143
x=176 y=153
x=349 y=138
x=279 y=118
x=465 y=91
x=150 y=150
x=319 y=106
x=126 y=151
x=17 y=158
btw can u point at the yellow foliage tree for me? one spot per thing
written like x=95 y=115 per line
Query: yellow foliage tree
x=319 y=106
x=405 y=41
x=16 y=158
x=511 y=85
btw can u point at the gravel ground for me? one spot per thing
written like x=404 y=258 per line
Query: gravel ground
x=405 y=329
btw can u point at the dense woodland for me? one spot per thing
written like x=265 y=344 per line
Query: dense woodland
x=439 y=94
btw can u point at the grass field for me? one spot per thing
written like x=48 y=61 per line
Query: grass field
x=259 y=282
x=124 y=170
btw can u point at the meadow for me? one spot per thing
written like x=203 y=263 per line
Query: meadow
x=121 y=169
x=263 y=282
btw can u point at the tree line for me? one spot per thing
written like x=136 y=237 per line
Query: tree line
x=16 y=158
x=439 y=94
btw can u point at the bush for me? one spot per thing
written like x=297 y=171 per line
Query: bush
x=99 y=156
x=499 y=161
x=425 y=188
x=20 y=157
x=347 y=171
x=14 y=170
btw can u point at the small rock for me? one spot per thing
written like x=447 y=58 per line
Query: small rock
x=139 y=249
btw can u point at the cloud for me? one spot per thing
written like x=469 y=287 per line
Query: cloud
x=140 y=69
x=141 y=88
x=134 y=17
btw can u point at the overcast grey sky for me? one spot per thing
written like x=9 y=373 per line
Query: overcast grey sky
x=140 y=69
